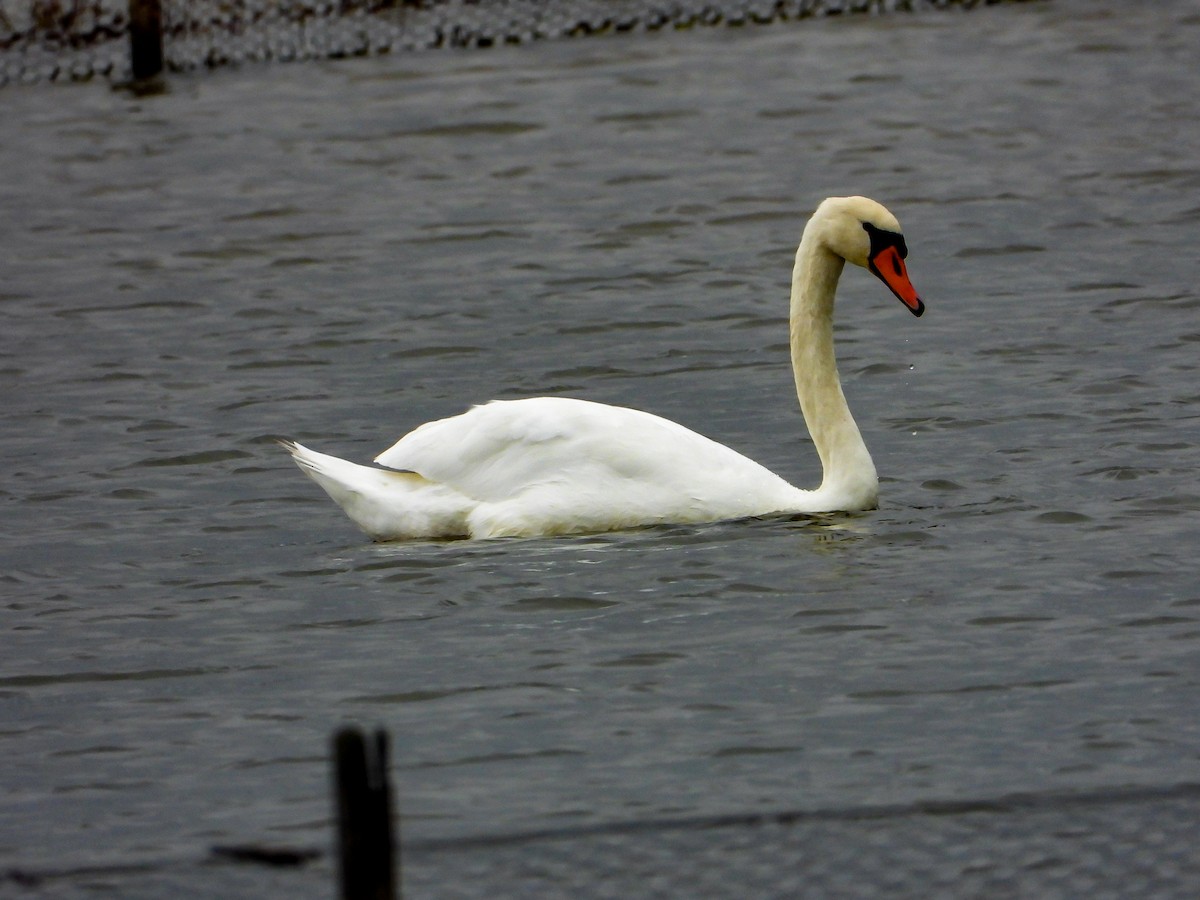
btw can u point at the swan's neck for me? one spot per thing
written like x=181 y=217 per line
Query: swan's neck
x=849 y=478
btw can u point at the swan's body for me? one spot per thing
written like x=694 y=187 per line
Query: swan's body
x=552 y=465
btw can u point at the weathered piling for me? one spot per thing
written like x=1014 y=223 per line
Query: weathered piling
x=145 y=38
x=368 y=866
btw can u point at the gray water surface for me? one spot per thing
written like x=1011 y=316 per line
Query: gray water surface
x=340 y=251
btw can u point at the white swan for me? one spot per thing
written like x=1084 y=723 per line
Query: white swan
x=551 y=465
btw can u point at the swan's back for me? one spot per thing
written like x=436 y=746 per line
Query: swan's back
x=555 y=465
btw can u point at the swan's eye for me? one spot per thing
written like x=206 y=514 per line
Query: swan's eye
x=882 y=239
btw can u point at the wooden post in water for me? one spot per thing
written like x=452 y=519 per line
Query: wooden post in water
x=364 y=809
x=145 y=38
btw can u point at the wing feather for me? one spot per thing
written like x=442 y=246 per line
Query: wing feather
x=504 y=449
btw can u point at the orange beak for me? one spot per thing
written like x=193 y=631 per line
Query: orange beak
x=888 y=266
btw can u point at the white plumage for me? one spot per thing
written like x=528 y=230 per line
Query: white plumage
x=553 y=465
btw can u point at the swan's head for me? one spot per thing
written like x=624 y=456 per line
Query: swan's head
x=865 y=233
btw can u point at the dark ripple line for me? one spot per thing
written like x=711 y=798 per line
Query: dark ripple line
x=1001 y=805
x=1005 y=804
x=89 y=677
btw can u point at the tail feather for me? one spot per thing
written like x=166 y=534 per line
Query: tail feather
x=386 y=504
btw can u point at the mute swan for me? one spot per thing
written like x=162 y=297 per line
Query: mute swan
x=552 y=465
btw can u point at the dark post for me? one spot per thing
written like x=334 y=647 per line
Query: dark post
x=364 y=808
x=145 y=38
